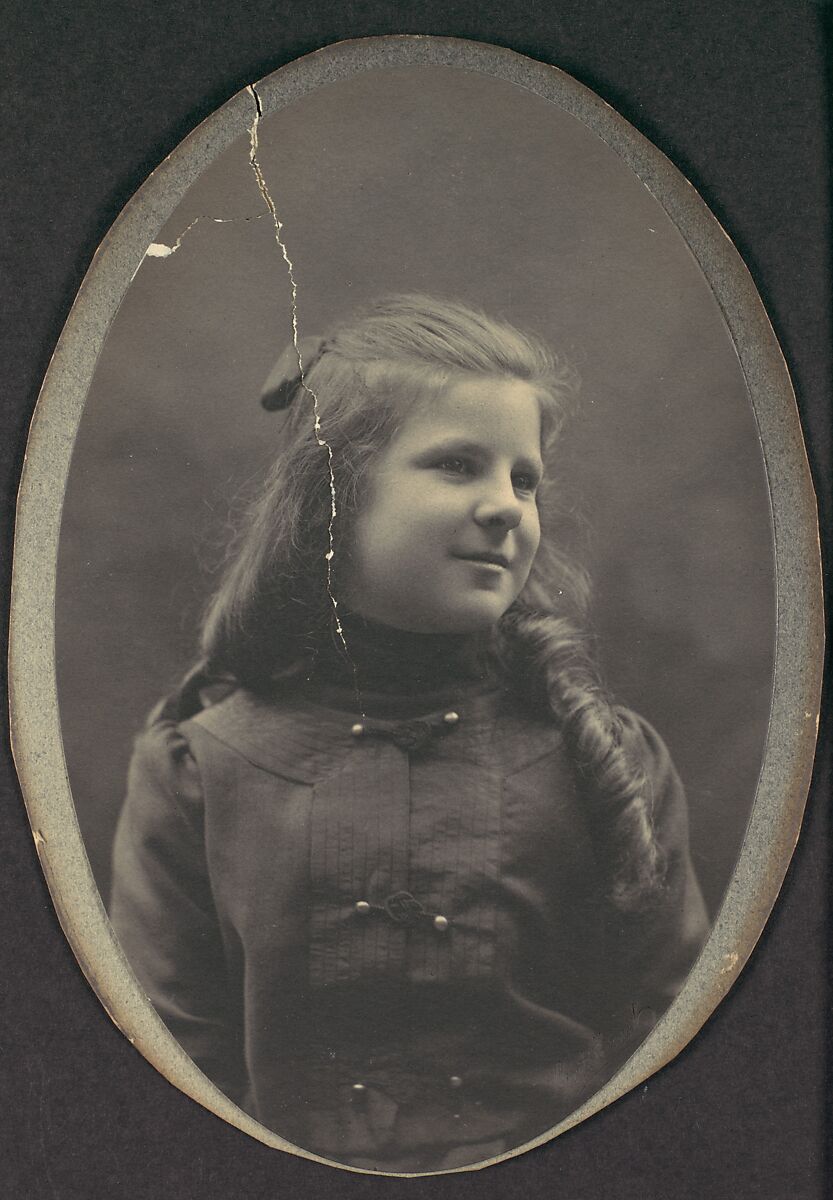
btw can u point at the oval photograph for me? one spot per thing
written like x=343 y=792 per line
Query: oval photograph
x=402 y=479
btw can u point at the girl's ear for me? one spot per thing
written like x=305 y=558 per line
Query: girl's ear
x=289 y=372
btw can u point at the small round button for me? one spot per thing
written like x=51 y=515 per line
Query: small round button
x=362 y=908
x=455 y=1081
x=357 y=730
x=451 y=718
x=441 y=923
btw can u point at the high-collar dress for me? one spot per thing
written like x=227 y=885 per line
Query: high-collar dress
x=370 y=906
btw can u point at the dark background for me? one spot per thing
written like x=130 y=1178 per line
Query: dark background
x=734 y=94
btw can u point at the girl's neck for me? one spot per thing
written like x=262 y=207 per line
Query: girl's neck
x=376 y=658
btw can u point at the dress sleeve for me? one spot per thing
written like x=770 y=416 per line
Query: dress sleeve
x=163 y=911
x=654 y=948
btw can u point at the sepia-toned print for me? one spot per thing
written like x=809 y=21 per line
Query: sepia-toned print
x=416 y=607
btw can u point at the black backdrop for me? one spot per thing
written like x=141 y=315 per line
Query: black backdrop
x=733 y=93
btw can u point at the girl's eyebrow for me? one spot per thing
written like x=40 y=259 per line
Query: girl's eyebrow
x=454 y=445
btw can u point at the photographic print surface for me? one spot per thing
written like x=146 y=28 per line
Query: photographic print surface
x=443 y=678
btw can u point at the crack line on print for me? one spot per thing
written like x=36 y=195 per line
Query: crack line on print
x=162 y=250
x=322 y=441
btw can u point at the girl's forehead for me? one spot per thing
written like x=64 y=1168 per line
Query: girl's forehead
x=493 y=409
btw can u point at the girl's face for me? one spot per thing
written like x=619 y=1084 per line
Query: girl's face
x=446 y=536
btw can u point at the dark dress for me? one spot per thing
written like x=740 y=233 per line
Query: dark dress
x=386 y=935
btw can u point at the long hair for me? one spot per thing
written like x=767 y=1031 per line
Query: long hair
x=276 y=597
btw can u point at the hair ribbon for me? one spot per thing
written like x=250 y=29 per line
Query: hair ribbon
x=285 y=379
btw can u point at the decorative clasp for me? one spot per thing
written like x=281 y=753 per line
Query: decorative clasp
x=404 y=909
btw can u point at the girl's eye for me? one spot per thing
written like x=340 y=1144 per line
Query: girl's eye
x=524 y=483
x=455 y=466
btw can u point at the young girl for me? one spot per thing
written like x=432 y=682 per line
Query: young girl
x=407 y=886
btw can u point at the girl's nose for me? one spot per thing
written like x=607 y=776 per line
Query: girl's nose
x=499 y=507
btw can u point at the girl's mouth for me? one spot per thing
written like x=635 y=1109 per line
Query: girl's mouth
x=486 y=557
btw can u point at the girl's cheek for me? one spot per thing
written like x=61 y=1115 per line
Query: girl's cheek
x=533 y=525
